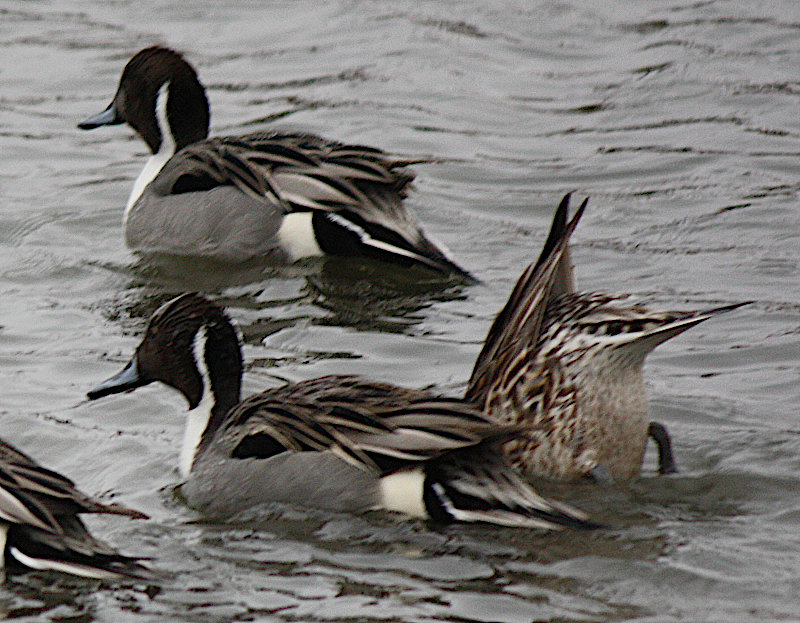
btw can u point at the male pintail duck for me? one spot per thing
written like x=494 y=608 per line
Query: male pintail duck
x=285 y=195
x=338 y=443
x=568 y=366
x=40 y=527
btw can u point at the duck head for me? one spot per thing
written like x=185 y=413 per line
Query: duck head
x=159 y=96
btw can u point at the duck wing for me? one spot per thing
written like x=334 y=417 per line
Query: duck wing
x=34 y=495
x=355 y=193
x=375 y=426
x=515 y=331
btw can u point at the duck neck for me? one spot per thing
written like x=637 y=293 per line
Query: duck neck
x=167 y=146
x=218 y=359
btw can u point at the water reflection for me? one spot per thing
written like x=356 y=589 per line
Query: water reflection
x=363 y=295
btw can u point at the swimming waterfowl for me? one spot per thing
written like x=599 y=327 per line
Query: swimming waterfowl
x=283 y=195
x=338 y=443
x=40 y=527
x=568 y=365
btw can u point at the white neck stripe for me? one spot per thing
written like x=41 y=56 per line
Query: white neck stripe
x=165 y=151
x=197 y=418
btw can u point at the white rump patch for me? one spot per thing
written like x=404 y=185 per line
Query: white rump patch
x=403 y=492
x=296 y=236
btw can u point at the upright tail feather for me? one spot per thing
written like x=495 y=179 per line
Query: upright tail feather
x=519 y=323
x=558 y=228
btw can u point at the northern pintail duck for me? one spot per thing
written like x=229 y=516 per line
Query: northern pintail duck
x=287 y=195
x=568 y=365
x=40 y=527
x=338 y=443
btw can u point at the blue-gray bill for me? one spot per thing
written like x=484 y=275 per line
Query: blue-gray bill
x=110 y=116
x=126 y=380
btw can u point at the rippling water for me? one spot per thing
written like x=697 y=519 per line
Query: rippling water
x=678 y=119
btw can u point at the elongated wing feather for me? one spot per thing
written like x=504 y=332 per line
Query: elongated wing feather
x=359 y=189
x=480 y=485
x=74 y=551
x=376 y=426
x=296 y=170
x=34 y=495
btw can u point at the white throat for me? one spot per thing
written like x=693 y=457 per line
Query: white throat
x=197 y=418
x=157 y=161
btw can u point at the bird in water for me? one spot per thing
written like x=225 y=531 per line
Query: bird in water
x=40 y=527
x=568 y=367
x=341 y=443
x=281 y=195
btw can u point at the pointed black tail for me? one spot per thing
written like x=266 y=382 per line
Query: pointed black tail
x=480 y=485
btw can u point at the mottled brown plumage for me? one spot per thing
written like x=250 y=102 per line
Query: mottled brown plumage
x=568 y=367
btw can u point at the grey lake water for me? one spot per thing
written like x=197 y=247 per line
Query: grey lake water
x=679 y=119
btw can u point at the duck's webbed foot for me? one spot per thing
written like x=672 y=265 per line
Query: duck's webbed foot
x=666 y=461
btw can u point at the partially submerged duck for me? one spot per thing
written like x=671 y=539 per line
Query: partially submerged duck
x=339 y=443
x=568 y=367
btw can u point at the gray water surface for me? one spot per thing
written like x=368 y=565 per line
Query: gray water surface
x=679 y=119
